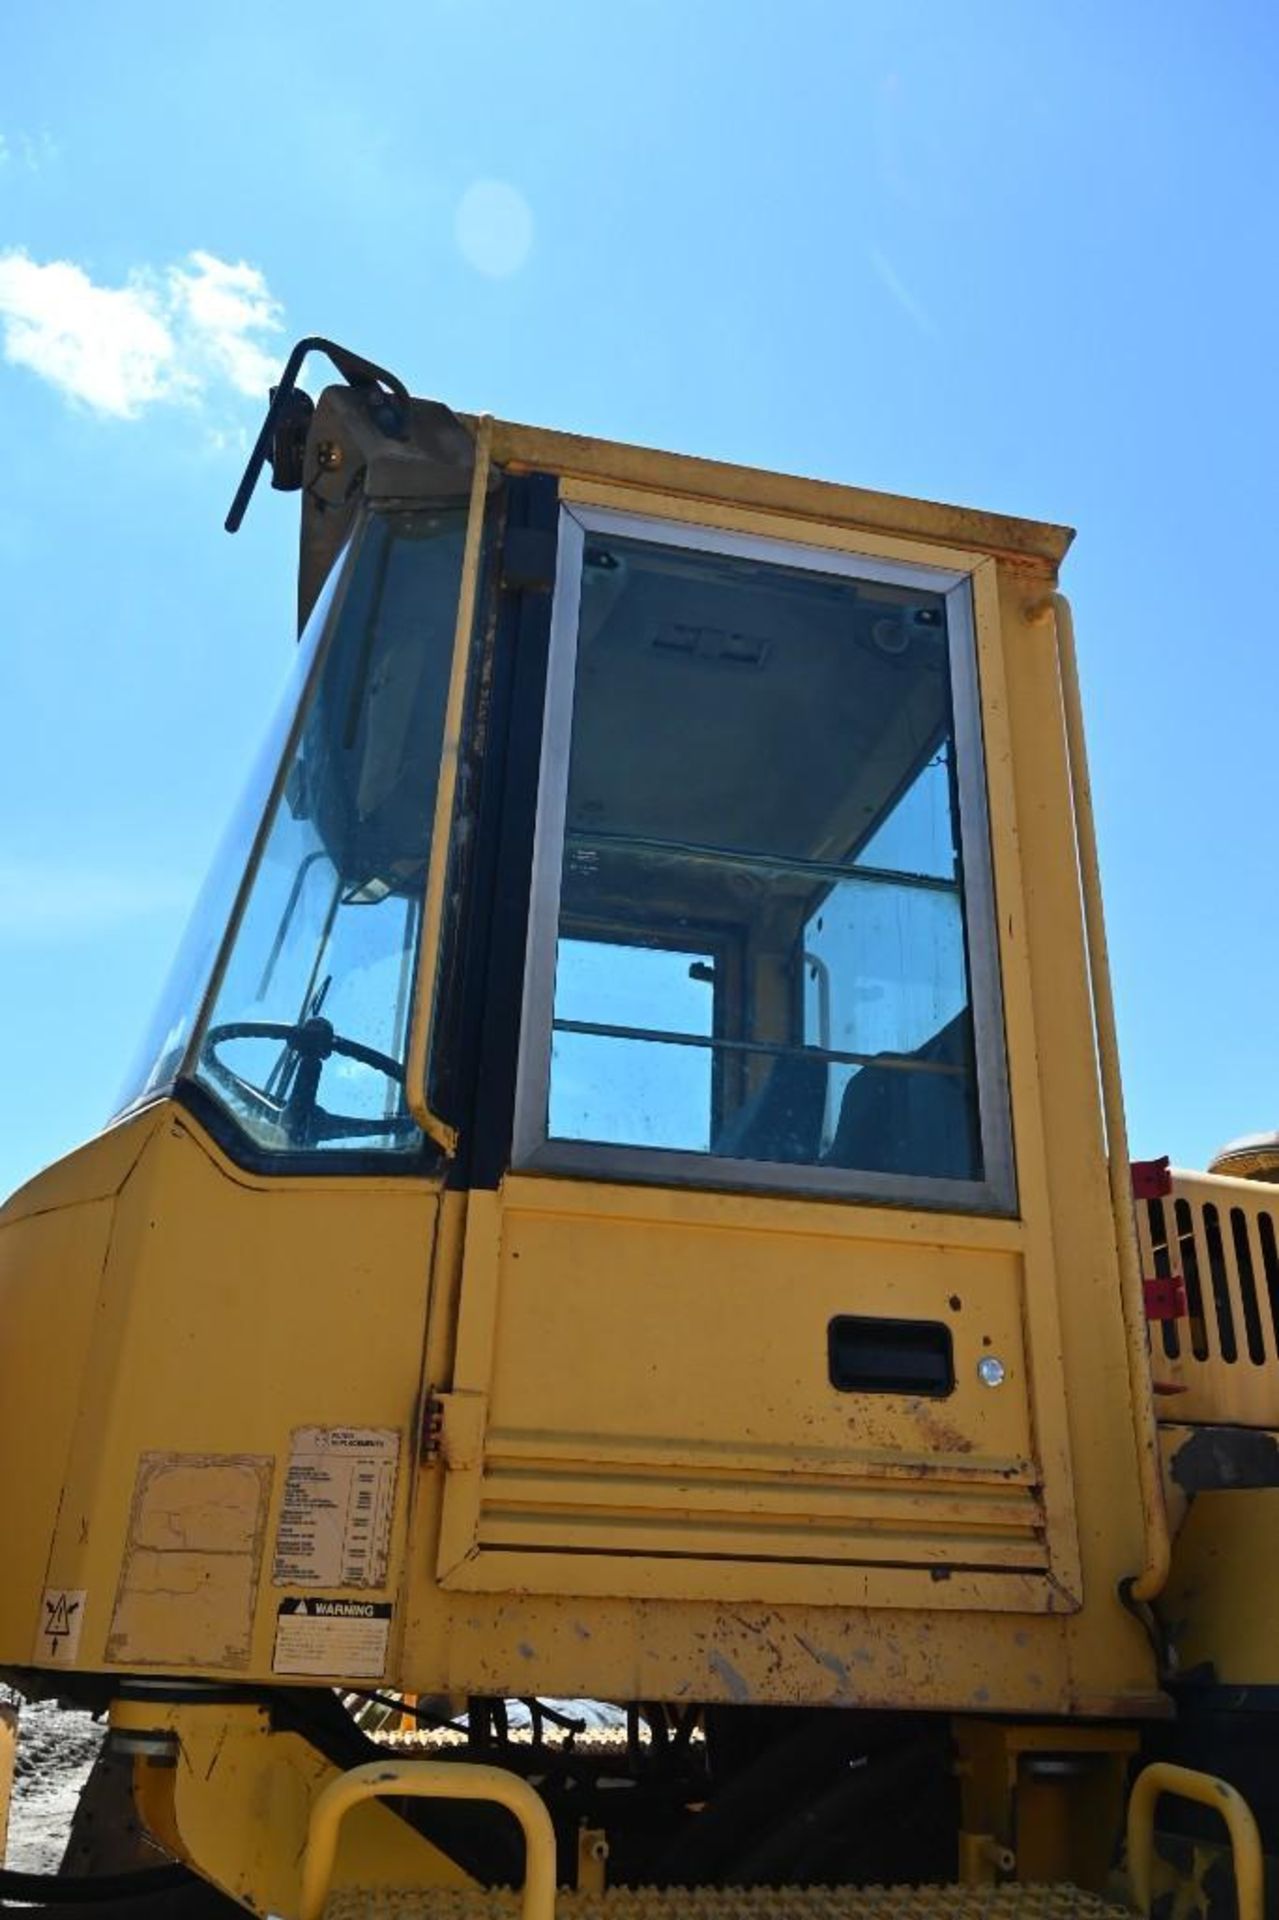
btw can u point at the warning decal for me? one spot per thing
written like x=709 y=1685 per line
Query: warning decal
x=335 y=1518
x=58 y=1636
x=343 y=1639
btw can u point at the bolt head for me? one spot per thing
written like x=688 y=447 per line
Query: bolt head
x=990 y=1371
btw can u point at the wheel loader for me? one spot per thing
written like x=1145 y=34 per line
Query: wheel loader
x=612 y=1357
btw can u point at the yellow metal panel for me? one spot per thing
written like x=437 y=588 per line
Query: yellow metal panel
x=95 y=1171
x=1150 y=1575
x=233 y=1310
x=1050 y=1799
x=235 y=1800
x=719 y=1425
x=1063 y=1065
x=1033 y=545
x=995 y=635
x=54 y=1239
x=794 y=1652
x=1220 y=1601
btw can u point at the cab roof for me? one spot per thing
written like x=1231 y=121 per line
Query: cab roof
x=583 y=456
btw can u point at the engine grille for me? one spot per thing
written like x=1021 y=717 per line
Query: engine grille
x=1220 y=1237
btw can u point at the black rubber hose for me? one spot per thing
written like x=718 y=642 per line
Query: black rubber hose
x=67 y=1889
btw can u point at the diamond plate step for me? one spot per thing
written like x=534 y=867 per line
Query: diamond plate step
x=751 y=1903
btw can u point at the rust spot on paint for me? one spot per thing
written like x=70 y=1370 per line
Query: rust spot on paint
x=943 y=1434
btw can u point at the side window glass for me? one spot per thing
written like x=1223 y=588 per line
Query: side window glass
x=762 y=939
x=632 y=1059
x=886 y=979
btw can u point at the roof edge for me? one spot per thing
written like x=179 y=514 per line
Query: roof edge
x=723 y=482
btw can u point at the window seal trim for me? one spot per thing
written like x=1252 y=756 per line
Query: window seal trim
x=532 y=1151
x=223 y=1127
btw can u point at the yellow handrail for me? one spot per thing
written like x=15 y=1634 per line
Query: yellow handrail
x=415 y=1069
x=1245 y=1842
x=1154 y=1572
x=429 y=1780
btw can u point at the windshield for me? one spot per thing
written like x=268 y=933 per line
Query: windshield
x=303 y=1041
x=157 y=1060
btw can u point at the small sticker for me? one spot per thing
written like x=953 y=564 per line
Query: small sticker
x=61 y=1617
x=335 y=1518
x=344 y=1639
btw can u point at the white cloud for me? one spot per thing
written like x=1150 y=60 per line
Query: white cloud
x=227 y=310
x=179 y=335
x=28 y=150
x=108 y=346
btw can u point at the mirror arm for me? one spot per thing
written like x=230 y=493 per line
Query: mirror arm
x=289 y=415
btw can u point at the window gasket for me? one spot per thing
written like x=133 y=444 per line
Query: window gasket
x=533 y=1150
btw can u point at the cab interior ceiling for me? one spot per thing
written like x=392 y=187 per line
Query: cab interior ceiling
x=766 y=669
x=833 y=659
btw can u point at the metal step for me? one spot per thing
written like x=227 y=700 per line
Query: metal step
x=747 y=1903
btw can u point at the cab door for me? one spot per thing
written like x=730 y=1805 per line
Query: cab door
x=755 y=1308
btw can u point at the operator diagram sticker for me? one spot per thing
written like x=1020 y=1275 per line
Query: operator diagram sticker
x=61 y=1617
x=335 y=1517
x=345 y=1639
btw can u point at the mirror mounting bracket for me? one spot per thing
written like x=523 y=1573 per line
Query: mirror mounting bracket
x=283 y=435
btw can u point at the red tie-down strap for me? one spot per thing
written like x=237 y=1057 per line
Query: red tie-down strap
x=1151 y=1179
x=1165 y=1298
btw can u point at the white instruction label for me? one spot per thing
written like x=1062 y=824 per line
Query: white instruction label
x=344 y=1639
x=335 y=1520
x=58 y=1635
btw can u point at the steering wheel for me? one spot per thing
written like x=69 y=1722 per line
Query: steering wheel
x=300 y=1114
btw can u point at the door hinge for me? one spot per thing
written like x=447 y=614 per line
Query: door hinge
x=453 y=1429
x=432 y=1425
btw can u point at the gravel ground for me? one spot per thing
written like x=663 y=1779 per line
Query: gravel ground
x=56 y=1749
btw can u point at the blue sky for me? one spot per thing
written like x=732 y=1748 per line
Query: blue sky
x=1019 y=255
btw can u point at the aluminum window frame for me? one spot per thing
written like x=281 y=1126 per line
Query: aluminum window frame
x=533 y=1149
